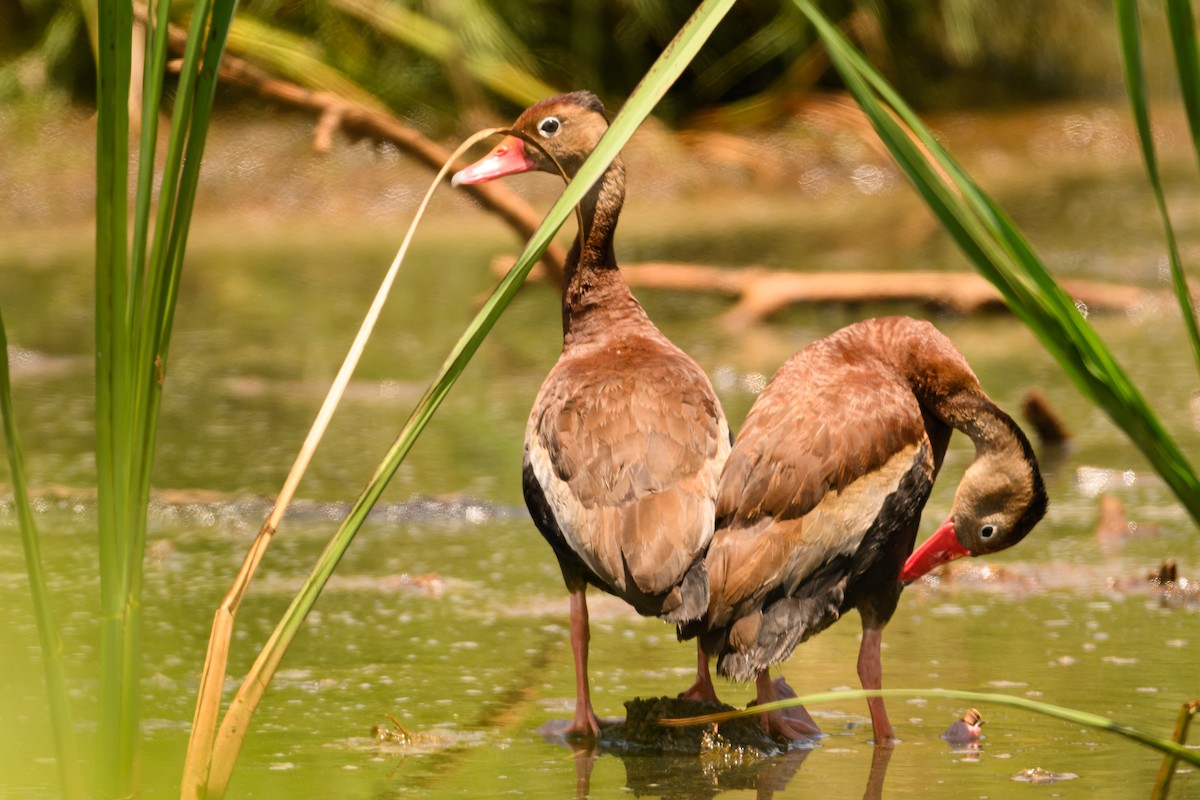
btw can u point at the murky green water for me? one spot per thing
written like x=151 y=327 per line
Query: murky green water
x=449 y=613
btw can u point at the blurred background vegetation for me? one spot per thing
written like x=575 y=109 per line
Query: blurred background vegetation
x=448 y=65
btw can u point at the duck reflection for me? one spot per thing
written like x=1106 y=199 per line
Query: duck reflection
x=709 y=773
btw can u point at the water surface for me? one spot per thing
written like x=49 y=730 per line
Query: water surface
x=448 y=612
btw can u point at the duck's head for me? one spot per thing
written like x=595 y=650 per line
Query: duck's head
x=998 y=502
x=567 y=126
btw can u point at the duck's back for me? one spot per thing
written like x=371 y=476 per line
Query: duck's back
x=623 y=452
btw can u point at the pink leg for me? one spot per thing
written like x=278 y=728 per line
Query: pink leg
x=703 y=688
x=585 y=723
x=793 y=724
x=870 y=672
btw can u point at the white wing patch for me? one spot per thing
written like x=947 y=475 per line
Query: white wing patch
x=839 y=523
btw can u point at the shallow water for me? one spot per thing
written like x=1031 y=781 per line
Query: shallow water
x=449 y=613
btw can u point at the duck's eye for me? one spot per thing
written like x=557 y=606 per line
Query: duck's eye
x=987 y=530
x=549 y=126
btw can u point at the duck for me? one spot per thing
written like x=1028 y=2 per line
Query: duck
x=626 y=438
x=821 y=498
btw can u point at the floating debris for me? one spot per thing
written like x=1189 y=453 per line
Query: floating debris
x=397 y=734
x=1174 y=590
x=967 y=731
x=1039 y=775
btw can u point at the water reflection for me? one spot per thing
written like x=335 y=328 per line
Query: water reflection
x=709 y=774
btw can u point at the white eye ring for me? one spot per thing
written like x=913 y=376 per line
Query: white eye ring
x=549 y=126
x=987 y=530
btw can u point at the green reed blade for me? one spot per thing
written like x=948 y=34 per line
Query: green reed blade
x=153 y=71
x=1135 y=85
x=1001 y=254
x=165 y=285
x=62 y=726
x=131 y=315
x=1182 y=25
x=1084 y=718
x=114 y=777
x=652 y=87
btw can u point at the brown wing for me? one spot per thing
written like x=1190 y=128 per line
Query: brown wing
x=828 y=440
x=628 y=452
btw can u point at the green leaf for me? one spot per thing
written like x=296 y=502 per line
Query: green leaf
x=48 y=635
x=134 y=311
x=1182 y=25
x=1135 y=85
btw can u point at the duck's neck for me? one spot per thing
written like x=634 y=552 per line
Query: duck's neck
x=994 y=433
x=594 y=294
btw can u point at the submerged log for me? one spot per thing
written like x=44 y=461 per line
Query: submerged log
x=761 y=292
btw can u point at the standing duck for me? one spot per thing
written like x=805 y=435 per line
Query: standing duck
x=626 y=439
x=822 y=495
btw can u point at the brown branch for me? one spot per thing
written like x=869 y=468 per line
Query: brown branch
x=761 y=293
x=334 y=112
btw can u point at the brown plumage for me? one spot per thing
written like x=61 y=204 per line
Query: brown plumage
x=821 y=497
x=626 y=439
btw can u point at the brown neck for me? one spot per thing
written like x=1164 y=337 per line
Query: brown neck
x=594 y=294
x=992 y=431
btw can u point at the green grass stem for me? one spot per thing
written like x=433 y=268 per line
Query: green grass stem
x=135 y=297
x=62 y=725
x=1129 y=28
x=1071 y=715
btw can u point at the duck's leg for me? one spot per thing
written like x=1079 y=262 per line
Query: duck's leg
x=703 y=688
x=793 y=724
x=870 y=672
x=585 y=723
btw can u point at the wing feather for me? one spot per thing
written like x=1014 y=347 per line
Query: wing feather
x=628 y=451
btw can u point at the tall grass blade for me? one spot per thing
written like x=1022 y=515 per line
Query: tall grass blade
x=155 y=67
x=134 y=310
x=652 y=87
x=115 y=777
x=164 y=289
x=1135 y=84
x=63 y=727
x=1001 y=254
x=1182 y=24
x=1075 y=717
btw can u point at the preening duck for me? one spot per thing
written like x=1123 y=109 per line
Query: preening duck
x=821 y=497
